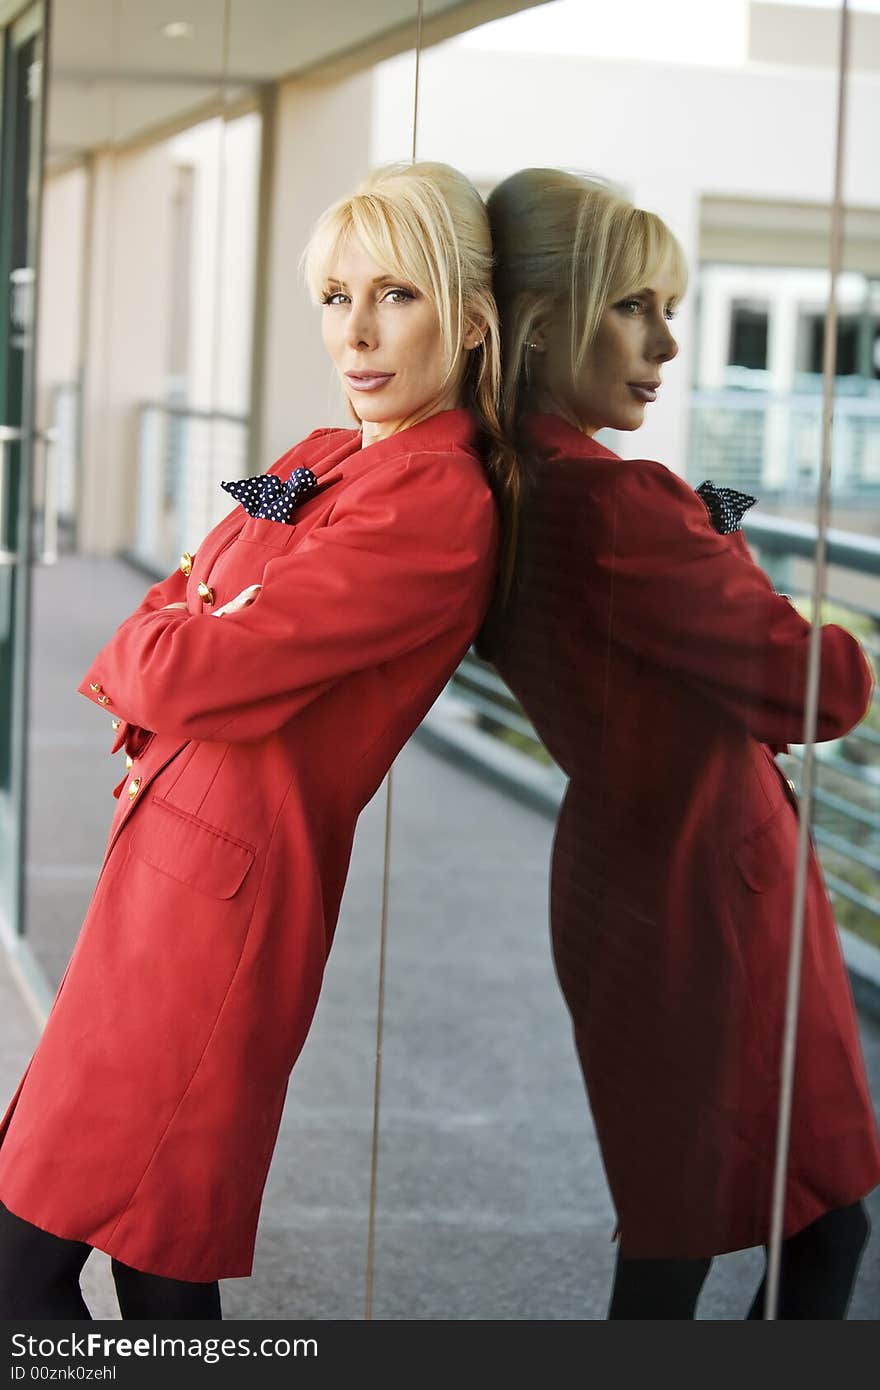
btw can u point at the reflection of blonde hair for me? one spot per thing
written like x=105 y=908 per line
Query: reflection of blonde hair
x=427 y=223
x=568 y=245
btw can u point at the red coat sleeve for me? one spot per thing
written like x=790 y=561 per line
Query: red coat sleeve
x=169 y=590
x=695 y=602
x=407 y=555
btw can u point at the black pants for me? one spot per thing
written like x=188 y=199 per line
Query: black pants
x=817 y=1272
x=39 y=1278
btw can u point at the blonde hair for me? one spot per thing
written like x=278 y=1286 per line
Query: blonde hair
x=427 y=223
x=572 y=245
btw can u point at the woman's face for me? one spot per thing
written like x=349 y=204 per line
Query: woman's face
x=621 y=373
x=384 y=338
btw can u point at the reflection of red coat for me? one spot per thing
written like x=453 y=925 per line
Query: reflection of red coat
x=657 y=663
x=146 y=1121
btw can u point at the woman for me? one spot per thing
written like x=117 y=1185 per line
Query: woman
x=349 y=583
x=662 y=672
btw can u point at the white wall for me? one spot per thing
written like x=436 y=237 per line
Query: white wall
x=225 y=159
x=126 y=346
x=60 y=325
x=322 y=146
x=60 y=304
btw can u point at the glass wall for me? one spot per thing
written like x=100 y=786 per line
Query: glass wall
x=21 y=452
x=673 y=875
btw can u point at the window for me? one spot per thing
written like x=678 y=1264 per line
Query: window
x=812 y=344
x=748 y=335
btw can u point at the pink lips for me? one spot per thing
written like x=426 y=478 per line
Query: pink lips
x=644 y=390
x=367 y=381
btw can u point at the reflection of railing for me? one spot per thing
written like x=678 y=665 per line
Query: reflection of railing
x=183 y=455
x=769 y=443
x=847 y=794
x=847 y=811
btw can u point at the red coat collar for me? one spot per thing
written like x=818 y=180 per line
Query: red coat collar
x=556 y=437
x=444 y=432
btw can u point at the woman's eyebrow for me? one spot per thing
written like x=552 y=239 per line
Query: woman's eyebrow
x=652 y=294
x=653 y=297
x=378 y=280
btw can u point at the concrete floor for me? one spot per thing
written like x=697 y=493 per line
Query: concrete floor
x=492 y=1202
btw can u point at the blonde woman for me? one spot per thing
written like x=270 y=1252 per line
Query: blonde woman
x=349 y=581
x=663 y=672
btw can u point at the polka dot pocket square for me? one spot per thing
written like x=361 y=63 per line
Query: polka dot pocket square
x=725 y=506
x=267 y=498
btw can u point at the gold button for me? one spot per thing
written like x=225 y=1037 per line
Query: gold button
x=206 y=593
x=103 y=699
x=116 y=724
x=133 y=788
x=94 y=685
x=129 y=762
x=186 y=563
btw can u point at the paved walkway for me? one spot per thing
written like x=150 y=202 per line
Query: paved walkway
x=492 y=1200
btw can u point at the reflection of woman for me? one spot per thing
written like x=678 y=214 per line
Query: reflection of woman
x=660 y=668
x=350 y=583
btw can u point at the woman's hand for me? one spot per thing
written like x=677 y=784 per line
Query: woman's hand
x=242 y=600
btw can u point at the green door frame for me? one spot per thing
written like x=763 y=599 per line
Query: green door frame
x=22 y=122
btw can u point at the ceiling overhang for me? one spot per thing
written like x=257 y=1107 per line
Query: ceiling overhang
x=116 y=78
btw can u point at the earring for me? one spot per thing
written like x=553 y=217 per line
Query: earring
x=533 y=346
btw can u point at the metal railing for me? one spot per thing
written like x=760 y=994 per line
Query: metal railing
x=183 y=455
x=768 y=442
x=847 y=797
x=66 y=415
x=45 y=519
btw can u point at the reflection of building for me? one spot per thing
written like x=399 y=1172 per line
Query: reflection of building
x=737 y=156
x=756 y=403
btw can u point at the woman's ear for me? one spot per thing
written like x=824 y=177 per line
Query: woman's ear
x=475 y=333
x=541 y=316
x=536 y=339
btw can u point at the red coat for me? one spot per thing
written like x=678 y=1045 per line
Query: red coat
x=658 y=664
x=147 y=1118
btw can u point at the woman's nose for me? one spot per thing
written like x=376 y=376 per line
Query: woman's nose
x=361 y=329
x=666 y=347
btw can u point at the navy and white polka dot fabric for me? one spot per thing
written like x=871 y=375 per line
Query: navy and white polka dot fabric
x=267 y=498
x=726 y=506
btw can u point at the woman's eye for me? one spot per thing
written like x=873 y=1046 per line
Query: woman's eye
x=336 y=297
x=399 y=296
x=631 y=306
x=671 y=313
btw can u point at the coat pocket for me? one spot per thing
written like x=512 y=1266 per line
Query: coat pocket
x=276 y=535
x=191 y=851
